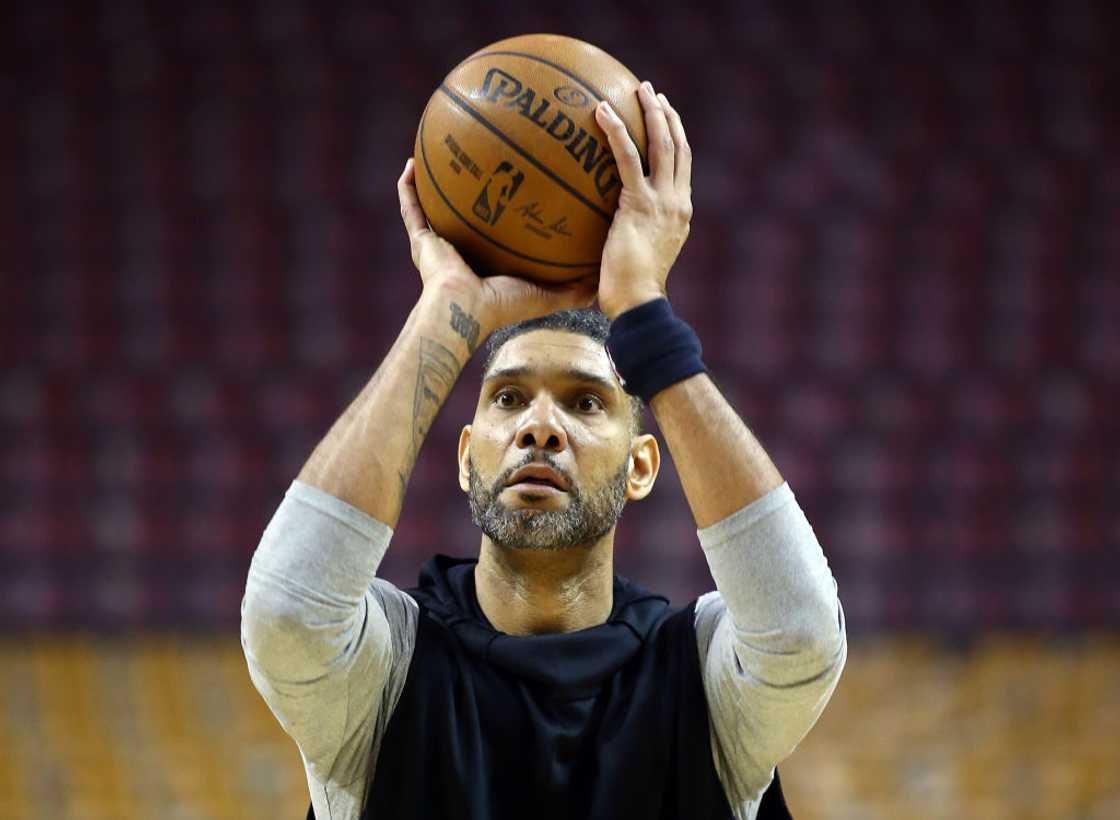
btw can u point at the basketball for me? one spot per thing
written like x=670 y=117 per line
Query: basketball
x=511 y=166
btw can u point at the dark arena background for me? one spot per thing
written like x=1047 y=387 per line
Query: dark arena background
x=904 y=267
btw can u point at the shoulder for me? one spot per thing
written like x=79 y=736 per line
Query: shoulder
x=709 y=604
x=708 y=610
x=401 y=611
x=393 y=597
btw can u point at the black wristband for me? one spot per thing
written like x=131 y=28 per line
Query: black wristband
x=651 y=349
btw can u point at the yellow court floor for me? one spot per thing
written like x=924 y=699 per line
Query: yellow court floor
x=170 y=727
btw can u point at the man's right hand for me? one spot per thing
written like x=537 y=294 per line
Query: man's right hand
x=496 y=300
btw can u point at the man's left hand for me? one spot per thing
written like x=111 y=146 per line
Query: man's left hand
x=651 y=223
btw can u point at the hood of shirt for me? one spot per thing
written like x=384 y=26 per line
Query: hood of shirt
x=571 y=659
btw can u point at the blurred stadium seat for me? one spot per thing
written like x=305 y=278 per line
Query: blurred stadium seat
x=145 y=727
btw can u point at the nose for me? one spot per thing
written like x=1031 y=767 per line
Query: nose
x=540 y=428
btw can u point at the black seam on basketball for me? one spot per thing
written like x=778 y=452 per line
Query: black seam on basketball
x=469 y=224
x=536 y=162
x=596 y=93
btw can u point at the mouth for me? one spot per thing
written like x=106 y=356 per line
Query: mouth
x=534 y=487
x=537 y=478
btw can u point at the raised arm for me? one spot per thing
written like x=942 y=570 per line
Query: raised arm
x=325 y=640
x=771 y=639
x=367 y=457
x=721 y=465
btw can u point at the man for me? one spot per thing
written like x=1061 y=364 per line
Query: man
x=534 y=682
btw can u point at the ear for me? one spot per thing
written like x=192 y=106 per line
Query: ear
x=465 y=459
x=645 y=462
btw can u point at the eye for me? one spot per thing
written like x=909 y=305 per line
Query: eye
x=589 y=403
x=505 y=393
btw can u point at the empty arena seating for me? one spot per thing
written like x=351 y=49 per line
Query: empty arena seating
x=904 y=267
x=116 y=729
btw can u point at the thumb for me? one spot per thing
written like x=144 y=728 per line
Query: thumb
x=580 y=293
x=549 y=297
x=514 y=298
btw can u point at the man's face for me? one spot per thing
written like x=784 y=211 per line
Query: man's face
x=551 y=400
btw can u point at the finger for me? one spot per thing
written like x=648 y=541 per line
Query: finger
x=625 y=152
x=411 y=213
x=661 y=148
x=683 y=171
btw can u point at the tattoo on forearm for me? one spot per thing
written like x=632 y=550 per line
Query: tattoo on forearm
x=465 y=325
x=435 y=376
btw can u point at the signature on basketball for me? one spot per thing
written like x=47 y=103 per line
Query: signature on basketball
x=536 y=222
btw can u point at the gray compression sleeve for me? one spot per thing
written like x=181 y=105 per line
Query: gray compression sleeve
x=772 y=640
x=327 y=642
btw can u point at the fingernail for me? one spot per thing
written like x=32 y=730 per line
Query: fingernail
x=664 y=100
x=605 y=107
x=649 y=86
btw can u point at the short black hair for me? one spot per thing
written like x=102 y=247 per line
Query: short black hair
x=585 y=321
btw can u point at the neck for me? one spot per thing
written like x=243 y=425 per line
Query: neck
x=534 y=592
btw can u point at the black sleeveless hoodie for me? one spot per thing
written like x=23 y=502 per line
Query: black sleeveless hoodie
x=607 y=722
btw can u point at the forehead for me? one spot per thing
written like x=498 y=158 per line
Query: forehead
x=551 y=352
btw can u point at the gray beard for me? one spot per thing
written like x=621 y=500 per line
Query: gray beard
x=582 y=522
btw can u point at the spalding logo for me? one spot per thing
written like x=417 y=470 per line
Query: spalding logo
x=502 y=88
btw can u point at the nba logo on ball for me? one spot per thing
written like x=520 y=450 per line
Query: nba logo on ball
x=525 y=107
x=505 y=181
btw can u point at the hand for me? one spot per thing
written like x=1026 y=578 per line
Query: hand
x=651 y=223
x=496 y=300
